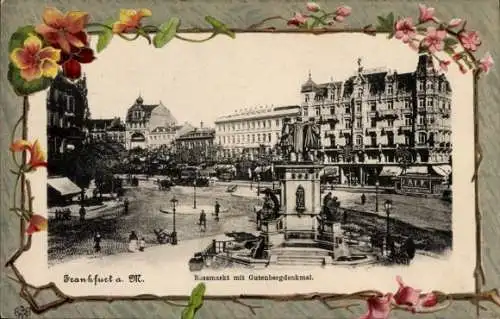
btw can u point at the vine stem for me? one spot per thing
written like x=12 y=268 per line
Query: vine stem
x=196 y=40
x=22 y=224
x=121 y=35
x=13 y=136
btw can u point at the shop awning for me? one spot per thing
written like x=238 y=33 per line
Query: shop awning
x=391 y=171
x=417 y=170
x=63 y=186
x=443 y=170
x=331 y=171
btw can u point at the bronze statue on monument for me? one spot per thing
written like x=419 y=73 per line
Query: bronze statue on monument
x=300 y=141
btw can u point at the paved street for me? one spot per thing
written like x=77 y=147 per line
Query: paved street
x=146 y=203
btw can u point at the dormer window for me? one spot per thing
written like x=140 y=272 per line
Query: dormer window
x=307 y=98
x=389 y=89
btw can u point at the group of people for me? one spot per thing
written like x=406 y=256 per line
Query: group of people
x=203 y=217
x=330 y=206
x=63 y=213
x=134 y=243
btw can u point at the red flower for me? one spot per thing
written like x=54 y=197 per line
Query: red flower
x=71 y=62
x=426 y=14
x=470 y=40
x=434 y=39
x=37 y=156
x=342 y=12
x=62 y=30
x=405 y=30
x=378 y=307
x=406 y=295
x=36 y=223
x=298 y=20
x=313 y=6
x=486 y=63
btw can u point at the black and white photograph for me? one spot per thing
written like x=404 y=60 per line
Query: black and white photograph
x=321 y=157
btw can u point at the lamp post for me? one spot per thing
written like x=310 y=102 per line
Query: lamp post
x=377 y=184
x=258 y=185
x=174 y=232
x=388 y=206
x=194 y=197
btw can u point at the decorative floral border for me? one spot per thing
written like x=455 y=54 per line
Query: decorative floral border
x=61 y=43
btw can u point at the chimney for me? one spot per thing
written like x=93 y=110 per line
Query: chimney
x=201 y=124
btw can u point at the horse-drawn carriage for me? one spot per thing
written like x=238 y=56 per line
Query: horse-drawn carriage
x=165 y=184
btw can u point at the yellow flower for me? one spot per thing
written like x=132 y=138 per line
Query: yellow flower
x=37 y=155
x=35 y=61
x=130 y=19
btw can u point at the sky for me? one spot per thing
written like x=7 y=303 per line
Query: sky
x=199 y=82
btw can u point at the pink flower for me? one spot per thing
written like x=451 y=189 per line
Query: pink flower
x=469 y=39
x=426 y=14
x=429 y=300
x=298 y=20
x=405 y=30
x=414 y=44
x=486 y=63
x=342 y=12
x=406 y=295
x=444 y=65
x=454 y=22
x=433 y=41
x=313 y=6
x=378 y=307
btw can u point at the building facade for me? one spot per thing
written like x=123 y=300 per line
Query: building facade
x=250 y=131
x=108 y=130
x=148 y=125
x=369 y=119
x=196 y=146
x=67 y=116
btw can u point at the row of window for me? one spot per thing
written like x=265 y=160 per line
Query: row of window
x=248 y=125
x=389 y=89
x=422 y=138
x=249 y=138
x=407 y=121
x=160 y=137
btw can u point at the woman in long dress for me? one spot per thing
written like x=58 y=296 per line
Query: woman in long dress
x=133 y=242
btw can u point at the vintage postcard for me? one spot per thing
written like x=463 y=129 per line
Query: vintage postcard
x=265 y=164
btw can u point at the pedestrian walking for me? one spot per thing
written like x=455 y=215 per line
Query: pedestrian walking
x=125 y=203
x=97 y=243
x=203 y=220
x=132 y=242
x=142 y=244
x=217 y=211
x=82 y=213
x=363 y=199
x=259 y=219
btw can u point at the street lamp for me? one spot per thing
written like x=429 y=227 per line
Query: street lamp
x=377 y=184
x=388 y=206
x=194 y=198
x=258 y=185
x=174 y=233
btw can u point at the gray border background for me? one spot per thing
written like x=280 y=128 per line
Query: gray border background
x=483 y=15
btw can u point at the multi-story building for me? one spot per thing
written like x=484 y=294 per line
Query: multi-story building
x=148 y=125
x=109 y=130
x=196 y=145
x=370 y=117
x=67 y=115
x=250 y=131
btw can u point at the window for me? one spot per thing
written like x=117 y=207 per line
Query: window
x=390 y=123
x=420 y=85
x=373 y=106
x=258 y=124
x=390 y=105
x=269 y=123
x=318 y=111
x=360 y=92
x=348 y=124
x=373 y=123
x=421 y=120
x=359 y=123
x=278 y=123
x=430 y=102
x=422 y=137
x=390 y=138
x=373 y=139
x=348 y=109
x=248 y=138
x=264 y=124
x=358 y=107
x=407 y=104
x=233 y=127
x=389 y=89
x=269 y=137
x=359 y=140
x=407 y=139
x=421 y=103
x=258 y=137
x=306 y=98
x=408 y=120
x=253 y=138
x=232 y=139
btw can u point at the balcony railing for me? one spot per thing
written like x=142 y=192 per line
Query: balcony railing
x=373 y=114
x=371 y=130
x=405 y=127
x=390 y=112
x=421 y=109
x=347 y=115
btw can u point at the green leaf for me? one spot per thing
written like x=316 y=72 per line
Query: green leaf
x=220 y=27
x=390 y=20
x=385 y=24
x=105 y=36
x=196 y=298
x=23 y=87
x=18 y=37
x=188 y=313
x=449 y=50
x=166 y=33
x=450 y=42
